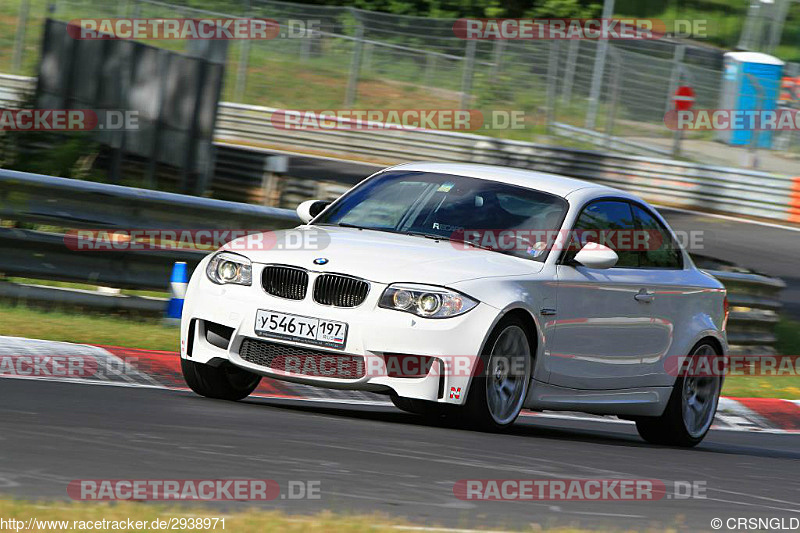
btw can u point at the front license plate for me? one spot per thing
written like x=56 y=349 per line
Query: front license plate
x=298 y=328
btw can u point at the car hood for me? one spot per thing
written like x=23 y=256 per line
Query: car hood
x=382 y=257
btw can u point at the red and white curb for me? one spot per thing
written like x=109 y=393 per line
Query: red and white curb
x=132 y=367
x=760 y=414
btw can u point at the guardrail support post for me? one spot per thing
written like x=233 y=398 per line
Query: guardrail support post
x=552 y=83
x=244 y=60
x=675 y=75
x=599 y=70
x=612 y=106
x=19 y=40
x=569 y=74
x=430 y=65
x=274 y=166
x=497 y=57
x=241 y=71
x=355 y=66
x=466 y=76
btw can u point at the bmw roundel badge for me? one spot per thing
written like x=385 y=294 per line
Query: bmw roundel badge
x=321 y=261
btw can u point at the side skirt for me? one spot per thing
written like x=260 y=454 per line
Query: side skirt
x=643 y=401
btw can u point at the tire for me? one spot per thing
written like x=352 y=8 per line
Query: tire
x=686 y=419
x=224 y=382
x=418 y=407
x=505 y=366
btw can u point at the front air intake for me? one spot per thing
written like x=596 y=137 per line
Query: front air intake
x=285 y=282
x=340 y=291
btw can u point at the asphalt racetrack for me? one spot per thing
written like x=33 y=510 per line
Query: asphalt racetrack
x=371 y=458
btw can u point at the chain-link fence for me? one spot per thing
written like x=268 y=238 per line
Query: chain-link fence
x=330 y=57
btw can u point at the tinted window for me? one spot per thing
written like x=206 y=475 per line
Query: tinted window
x=661 y=250
x=494 y=215
x=609 y=223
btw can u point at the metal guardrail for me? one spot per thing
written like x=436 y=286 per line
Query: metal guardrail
x=678 y=183
x=84 y=204
x=721 y=189
x=68 y=203
x=15 y=89
x=73 y=204
x=754 y=301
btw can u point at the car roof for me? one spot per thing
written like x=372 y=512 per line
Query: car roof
x=542 y=181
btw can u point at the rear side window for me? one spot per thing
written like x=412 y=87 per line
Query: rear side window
x=661 y=250
x=600 y=221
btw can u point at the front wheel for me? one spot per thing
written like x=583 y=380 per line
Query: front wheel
x=499 y=388
x=690 y=410
x=224 y=382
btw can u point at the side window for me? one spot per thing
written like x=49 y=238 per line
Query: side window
x=608 y=222
x=660 y=250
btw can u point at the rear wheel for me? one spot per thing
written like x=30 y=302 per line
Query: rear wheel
x=499 y=389
x=224 y=382
x=690 y=410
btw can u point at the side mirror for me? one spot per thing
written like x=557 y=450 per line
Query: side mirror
x=594 y=255
x=310 y=208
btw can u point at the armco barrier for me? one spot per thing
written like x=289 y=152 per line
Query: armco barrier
x=678 y=183
x=721 y=189
x=754 y=301
x=68 y=203
x=84 y=204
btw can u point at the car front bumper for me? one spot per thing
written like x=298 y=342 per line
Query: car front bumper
x=373 y=332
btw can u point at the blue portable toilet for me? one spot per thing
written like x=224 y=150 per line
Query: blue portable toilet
x=742 y=71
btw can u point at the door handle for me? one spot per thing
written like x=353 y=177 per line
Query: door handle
x=644 y=296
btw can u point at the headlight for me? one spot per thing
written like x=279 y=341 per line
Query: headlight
x=426 y=301
x=227 y=267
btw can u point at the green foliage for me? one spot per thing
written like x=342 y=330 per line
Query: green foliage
x=54 y=154
x=67 y=154
x=474 y=8
x=564 y=9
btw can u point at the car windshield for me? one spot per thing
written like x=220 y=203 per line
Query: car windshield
x=483 y=213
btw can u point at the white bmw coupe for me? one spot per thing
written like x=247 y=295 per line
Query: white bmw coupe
x=467 y=291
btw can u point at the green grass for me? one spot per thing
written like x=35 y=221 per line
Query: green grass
x=252 y=521
x=20 y=321
x=788 y=332
x=85 y=286
x=249 y=521
x=788 y=387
